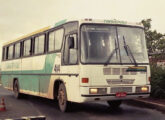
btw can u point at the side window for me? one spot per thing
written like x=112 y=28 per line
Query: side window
x=58 y=38
x=17 y=50
x=10 y=52
x=39 y=44
x=51 y=45
x=66 y=51
x=55 y=40
x=27 y=47
x=4 y=54
x=67 y=48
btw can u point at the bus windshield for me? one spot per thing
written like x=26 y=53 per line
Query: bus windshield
x=100 y=43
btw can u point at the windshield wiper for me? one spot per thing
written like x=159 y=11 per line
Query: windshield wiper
x=111 y=55
x=129 y=52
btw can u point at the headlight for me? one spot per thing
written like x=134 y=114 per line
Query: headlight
x=98 y=90
x=142 y=89
x=93 y=90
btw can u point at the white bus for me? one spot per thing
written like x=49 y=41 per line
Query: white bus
x=79 y=61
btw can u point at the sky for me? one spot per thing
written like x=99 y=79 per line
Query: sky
x=20 y=17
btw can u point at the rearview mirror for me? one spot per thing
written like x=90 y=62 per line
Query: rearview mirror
x=71 y=42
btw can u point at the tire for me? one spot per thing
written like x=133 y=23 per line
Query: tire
x=62 y=98
x=17 y=94
x=114 y=104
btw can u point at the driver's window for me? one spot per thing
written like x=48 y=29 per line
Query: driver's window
x=67 y=49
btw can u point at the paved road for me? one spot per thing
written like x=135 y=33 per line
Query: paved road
x=34 y=106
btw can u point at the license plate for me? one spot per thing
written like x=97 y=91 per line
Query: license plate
x=121 y=94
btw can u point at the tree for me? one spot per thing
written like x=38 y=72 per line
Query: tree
x=155 y=44
x=155 y=40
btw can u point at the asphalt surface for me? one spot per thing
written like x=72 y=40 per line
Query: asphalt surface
x=34 y=106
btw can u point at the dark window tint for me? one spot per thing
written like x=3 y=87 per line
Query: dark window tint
x=39 y=44
x=27 y=48
x=17 y=50
x=55 y=40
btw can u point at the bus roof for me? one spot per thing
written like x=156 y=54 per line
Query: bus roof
x=111 y=21
x=28 y=35
x=101 y=21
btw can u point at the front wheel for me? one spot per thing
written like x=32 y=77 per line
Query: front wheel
x=62 y=98
x=115 y=103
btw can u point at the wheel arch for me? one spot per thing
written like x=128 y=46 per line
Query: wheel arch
x=14 y=79
x=56 y=87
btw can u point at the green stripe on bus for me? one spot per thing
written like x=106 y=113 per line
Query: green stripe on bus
x=32 y=82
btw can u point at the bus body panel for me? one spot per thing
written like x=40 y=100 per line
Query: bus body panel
x=7 y=70
x=33 y=73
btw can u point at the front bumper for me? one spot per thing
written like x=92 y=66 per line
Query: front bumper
x=87 y=97
x=114 y=95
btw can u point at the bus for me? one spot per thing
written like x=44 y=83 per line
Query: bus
x=83 y=60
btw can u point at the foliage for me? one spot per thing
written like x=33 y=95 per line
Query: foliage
x=156 y=45
x=157 y=82
x=155 y=40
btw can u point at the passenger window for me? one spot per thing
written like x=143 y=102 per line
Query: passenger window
x=39 y=44
x=58 y=39
x=27 y=47
x=51 y=46
x=10 y=52
x=55 y=40
x=17 y=50
x=4 y=54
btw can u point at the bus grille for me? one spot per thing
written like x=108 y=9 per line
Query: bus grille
x=121 y=89
x=117 y=71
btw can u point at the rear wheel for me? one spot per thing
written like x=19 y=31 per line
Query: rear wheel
x=17 y=94
x=62 y=98
x=114 y=104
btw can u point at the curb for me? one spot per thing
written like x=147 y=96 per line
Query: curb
x=152 y=105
